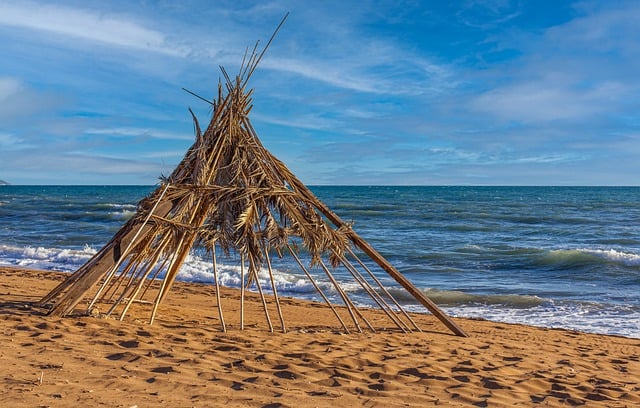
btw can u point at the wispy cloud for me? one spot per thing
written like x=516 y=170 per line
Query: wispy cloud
x=9 y=87
x=373 y=91
x=37 y=166
x=19 y=102
x=542 y=101
x=378 y=77
x=10 y=141
x=139 y=132
x=575 y=71
x=486 y=14
x=85 y=24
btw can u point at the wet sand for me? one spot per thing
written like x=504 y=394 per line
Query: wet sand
x=185 y=360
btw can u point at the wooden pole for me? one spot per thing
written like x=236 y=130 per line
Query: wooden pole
x=382 y=304
x=385 y=291
x=345 y=298
x=315 y=285
x=383 y=263
x=253 y=269
x=242 y=292
x=275 y=291
x=215 y=278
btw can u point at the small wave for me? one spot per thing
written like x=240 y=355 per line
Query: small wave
x=446 y=297
x=196 y=269
x=53 y=259
x=128 y=207
x=612 y=255
x=582 y=257
x=123 y=215
x=613 y=319
x=459 y=298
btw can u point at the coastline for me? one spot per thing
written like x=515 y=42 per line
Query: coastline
x=505 y=256
x=184 y=359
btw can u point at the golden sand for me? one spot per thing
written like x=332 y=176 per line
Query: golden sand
x=184 y=360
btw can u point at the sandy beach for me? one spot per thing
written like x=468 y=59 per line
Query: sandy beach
x=185 y=360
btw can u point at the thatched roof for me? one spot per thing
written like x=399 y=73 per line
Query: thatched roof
x=230 y=195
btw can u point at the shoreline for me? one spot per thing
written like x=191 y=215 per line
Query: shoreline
x=184 y=359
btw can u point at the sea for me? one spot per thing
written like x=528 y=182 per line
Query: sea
x=557 y=257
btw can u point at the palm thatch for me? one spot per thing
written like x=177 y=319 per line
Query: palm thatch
x=231 y=195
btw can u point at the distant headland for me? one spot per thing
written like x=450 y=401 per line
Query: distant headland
x=3 y=183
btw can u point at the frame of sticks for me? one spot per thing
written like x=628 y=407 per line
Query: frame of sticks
x=230 y=194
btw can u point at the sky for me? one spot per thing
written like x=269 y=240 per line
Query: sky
x=373 y=92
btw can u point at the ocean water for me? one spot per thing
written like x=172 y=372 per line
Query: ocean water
x=565 y=257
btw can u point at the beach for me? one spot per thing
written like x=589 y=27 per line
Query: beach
x=185 y=360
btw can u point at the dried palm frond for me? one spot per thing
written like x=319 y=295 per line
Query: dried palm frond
x=228 y=193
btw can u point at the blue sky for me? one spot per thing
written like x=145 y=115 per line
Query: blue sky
x=491 y=92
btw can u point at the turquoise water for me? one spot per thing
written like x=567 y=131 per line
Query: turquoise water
x=548 y=256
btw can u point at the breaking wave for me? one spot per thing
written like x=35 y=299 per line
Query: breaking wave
x=584 y=257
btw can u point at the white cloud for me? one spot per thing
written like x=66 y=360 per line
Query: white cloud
x=486 y=14
x=600 y=30
x=532 y=103
x=139 y=132
x=19 y=102
x=8 y=87
x=549 y=158
x=327 y=74
x=86 y=25
x=10 y=141
x=388 y=72
x=579 y=71
x=42 y=164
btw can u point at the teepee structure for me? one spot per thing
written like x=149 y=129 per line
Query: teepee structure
x=231 y=197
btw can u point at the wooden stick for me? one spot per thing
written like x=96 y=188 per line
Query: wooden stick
x=242 y=292
x=162 y=286
x=125 y=291
x=386 y=292
x=115 y=284
x=255 y=64
x=383 y=263
x=215 y=278
x=115 y=267
x=345 y=298
x=159 y=268
x=142 y=280
x=373 y=294
x=315 y=285
x=253 y=269
x=198 y=96
x=275 y=290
